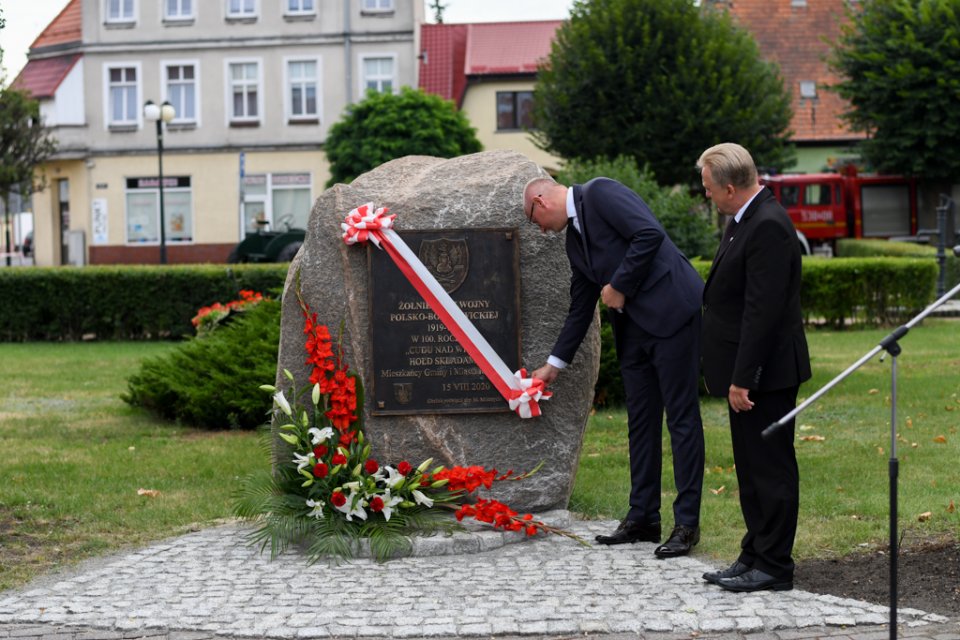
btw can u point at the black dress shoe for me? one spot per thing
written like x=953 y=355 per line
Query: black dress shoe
x=755 y=580
x=681 y=540
x=630 y=531
x=734 y=570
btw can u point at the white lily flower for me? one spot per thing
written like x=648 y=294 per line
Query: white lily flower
x=353 y=506
x=282 y=403
x=389 y=502
x=317 y=506
x=315 y=396
x=388 y=476
x=303 y=461
x=320 y=435
x=420 y=498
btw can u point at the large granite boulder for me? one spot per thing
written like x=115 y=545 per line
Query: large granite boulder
x=482 y=190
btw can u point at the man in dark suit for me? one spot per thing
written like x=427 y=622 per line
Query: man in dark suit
x=755 y=355
x=619 y=252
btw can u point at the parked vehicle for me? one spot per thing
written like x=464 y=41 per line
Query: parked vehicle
x=266 y=245
x=827 y=206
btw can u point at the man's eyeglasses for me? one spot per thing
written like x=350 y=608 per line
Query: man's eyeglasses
x=533 y=203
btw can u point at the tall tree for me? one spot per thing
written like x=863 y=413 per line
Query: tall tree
x=659 y=80
x=24 y=144
x=385 y=126
x=900 y=62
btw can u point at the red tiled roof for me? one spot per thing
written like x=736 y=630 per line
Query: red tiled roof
x=508 y=47
x=793 y=37
x=442 y=49
x=452 y=52
x=65 y=28
x=41 y=77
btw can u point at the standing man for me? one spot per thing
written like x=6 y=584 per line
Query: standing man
x=619 y=252
x=755 y=355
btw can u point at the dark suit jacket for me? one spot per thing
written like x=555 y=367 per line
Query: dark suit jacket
x=752 y=324
x=627 y=247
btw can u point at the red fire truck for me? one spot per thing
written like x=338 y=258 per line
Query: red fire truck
x=827 y=206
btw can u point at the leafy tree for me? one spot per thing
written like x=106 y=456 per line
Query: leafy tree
x=659 y=80
x=900 y=60
x=385 y=126
x=24 y=144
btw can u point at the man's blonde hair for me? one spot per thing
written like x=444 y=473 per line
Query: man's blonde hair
x=729 y=164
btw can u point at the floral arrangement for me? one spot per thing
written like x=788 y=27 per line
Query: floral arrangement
x=210 y=317
x=328 y=492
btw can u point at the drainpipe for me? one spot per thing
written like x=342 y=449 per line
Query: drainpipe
x=347 y=52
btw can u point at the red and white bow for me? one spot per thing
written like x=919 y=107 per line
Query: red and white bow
x=361 y=223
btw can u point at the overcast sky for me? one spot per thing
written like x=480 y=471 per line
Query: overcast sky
x=27 y=18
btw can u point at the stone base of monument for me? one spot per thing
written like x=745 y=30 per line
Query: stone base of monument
x=476 y=537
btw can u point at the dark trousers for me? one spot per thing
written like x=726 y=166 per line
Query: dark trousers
x=658 y=374
x=769 y=481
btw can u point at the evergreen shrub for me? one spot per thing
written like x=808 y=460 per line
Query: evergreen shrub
x=212 y=382
x=856 y=248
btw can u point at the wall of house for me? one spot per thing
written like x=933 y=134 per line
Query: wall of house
x=480 y=107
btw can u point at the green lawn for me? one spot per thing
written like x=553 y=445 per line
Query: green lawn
x=844 y=478
x=75 y=456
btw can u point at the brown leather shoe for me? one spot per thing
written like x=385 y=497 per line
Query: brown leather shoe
x=630 y=531
x=681 y=540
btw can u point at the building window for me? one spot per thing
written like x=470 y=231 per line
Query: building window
x=300 y=7
x=143 y=210
x=182 y=91
x=379 y=74
x=120 y=11
x=798 y=3
x=276 y=200
x=302 y=89
x=370 y=6
x=241 y=8
x=514 y=110
x=178 y=10
x=244 y=90
x=808 y=89
x=123 y=104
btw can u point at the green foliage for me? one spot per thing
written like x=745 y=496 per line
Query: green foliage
x=686 y=220
x=854 y=248
x=24 y=144
x=121 y=302
x=659 y=80
x=386 y=126
x=212 y=382
x=900 y=63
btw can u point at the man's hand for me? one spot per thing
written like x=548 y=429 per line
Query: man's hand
x=739 y=399
x=547 y=373
x=612 y=298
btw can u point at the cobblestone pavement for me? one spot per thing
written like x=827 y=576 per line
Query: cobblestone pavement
x=211 y=584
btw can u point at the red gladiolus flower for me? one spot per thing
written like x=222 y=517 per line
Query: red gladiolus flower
x=320 y=450
x=376 y=503
x=404 y=467
x=347 y=438
x=338 y=458
x=371 y=466
x=337 y=499
x=467 y=478
x=531 y=530
x=320 y=470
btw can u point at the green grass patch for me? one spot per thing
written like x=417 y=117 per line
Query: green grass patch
x=844 y=478
x=75 y=456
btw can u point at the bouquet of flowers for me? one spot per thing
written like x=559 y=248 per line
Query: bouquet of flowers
x=326 y=489
x=210 y=317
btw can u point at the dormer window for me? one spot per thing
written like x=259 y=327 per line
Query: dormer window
x=808 y=89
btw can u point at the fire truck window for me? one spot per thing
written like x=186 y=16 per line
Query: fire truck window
x=818 y=194
x=789 y=195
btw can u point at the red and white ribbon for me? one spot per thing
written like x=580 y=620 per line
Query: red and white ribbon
x=366 y=223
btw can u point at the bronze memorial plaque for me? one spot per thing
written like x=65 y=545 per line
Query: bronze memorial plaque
x=418 y=366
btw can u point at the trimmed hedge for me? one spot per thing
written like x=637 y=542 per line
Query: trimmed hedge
x=123 y=302
x=853 y=248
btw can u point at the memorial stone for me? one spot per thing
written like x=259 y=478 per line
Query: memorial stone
x=460 y=200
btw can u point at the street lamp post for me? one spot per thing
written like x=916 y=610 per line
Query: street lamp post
x=160 y=114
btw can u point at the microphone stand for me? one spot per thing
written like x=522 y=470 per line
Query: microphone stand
x=891 y=345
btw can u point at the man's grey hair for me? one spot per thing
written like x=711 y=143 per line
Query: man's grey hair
x=729 y=164
x=538 y=185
